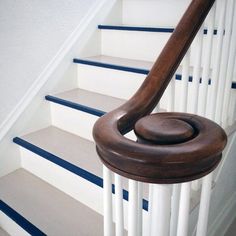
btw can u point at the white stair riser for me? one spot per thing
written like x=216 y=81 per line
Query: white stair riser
x=140 y=45
x=71 y=184
x=110 y=82
x=75 y=121
x=123 y=85
x=153 y=12
x=116 y=83
x=11 y=227
x=72 y=120
x=132 y=44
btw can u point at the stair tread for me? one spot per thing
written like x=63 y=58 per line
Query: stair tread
x=67 y=146
x=91 y=99
x=49 y=209
x=118 y=61
x=3 y=233
x=124 y=64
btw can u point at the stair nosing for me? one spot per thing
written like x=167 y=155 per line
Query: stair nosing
x=19 y=219
x=111 y=66
x=92 y=178
x=118 y=67
x=143 y=28
x=74 y=105
x=136 y=28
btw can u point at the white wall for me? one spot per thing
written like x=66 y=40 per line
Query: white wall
x=31 y=33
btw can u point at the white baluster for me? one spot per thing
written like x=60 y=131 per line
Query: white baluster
x=161 y=205
x=119 y=206
x=107 y=202
x=224 y=61
x=197 y=71
x=196 y=184
x=217 y=60
x=207 y=62
x=133 y=197
x=184 y=204
x=150 y=200
x=204 y=206
x=184 y=82
x=174 y=209
x=140 y=209
x=196 y=84
x=229 y=74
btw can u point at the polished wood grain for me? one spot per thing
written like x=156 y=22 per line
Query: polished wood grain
x=195 y=144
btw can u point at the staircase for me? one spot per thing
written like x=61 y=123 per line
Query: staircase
x=58 y=187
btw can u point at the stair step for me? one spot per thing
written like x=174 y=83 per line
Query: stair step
x=139 y=42
x=133 y=44
x=117 y=63
x=43 y=209
x=72 y=153
x=67 y=150
x=114 y=76
x=97 y=74
x=128 y=65
x=123 y=64
x=86 y=108
x=86 y=101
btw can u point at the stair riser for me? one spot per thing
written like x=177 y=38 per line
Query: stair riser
x=140 y=45
x=110 y=82
x=80 y=189
x=11 y=227
x=75 y=121
x=72 y=120
x=133 y=45
x=138 y=12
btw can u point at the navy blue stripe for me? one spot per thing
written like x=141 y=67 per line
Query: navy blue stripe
x=134 y=28
x=111 y=66
x=144 y=29
x=179 y=77
x=126 y=197
x=70 y=167
x=20 y=220
x=215 y=31
x=74 y=105
x=233 y=85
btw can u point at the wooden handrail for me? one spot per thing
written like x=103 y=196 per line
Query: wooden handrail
x=178 y=147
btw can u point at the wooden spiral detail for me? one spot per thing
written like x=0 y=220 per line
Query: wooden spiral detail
x=170 y=147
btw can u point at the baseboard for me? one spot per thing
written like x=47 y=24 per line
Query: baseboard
x=224 y=219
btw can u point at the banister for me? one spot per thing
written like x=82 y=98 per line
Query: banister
x=178 y=147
